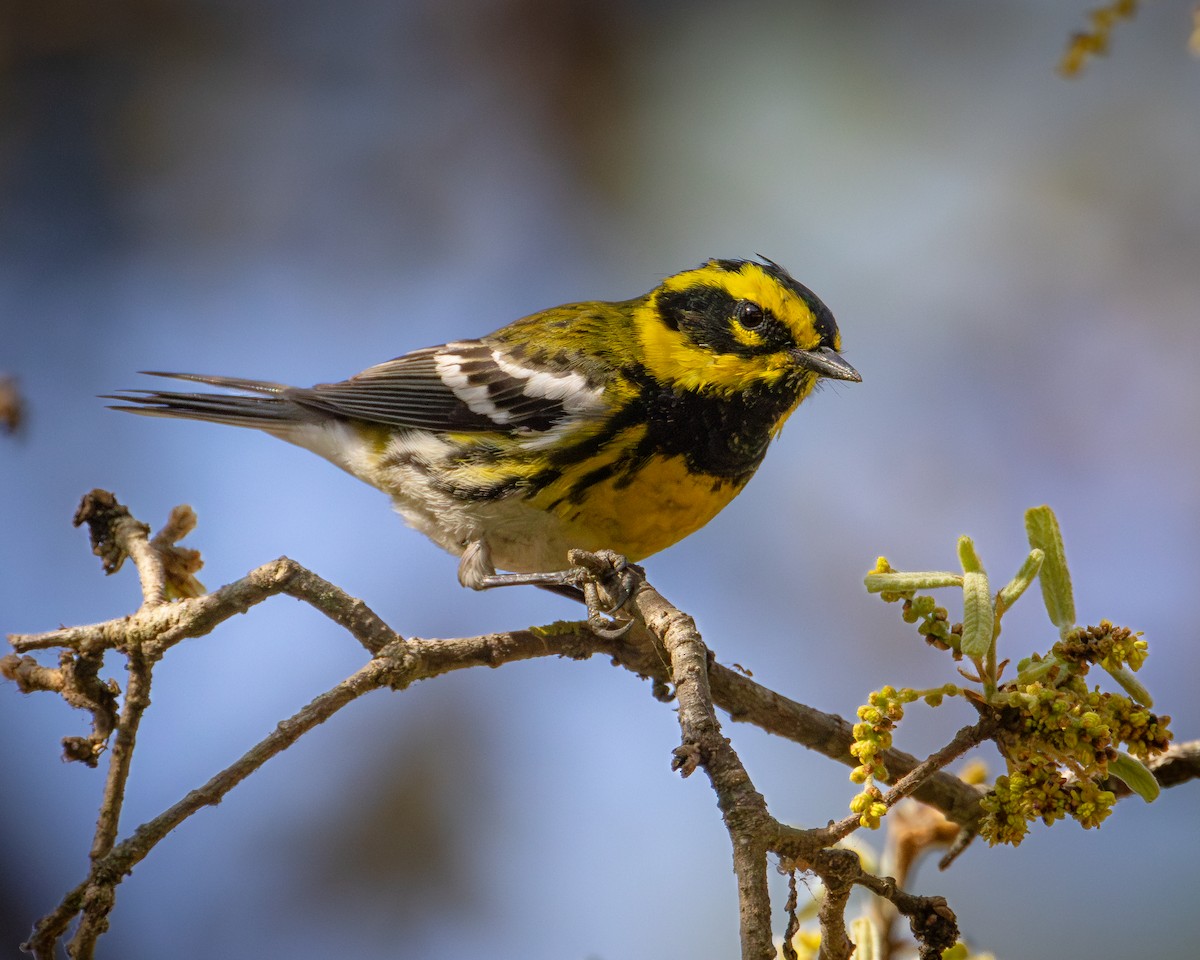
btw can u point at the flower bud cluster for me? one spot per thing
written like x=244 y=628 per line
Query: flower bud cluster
x=1058 y=737
x=1106 y=645
x=873 y=735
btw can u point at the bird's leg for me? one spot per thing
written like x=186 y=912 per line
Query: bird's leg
x=605 y=579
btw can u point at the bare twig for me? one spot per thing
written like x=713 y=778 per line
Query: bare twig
x=95 y=895
x=397 y=665
x=913 y=829
x=791 y=908
x=743 y=808
x=752 y=829
x=111 y=524
x=137 y=699
x=166 y=625
x=117 y=535
x=148 y=634
x=964 y=740
x=663 y=646
x=838 y=870
x=931 y=920
x=744 y=699
x=76 y=679
x=830 y=735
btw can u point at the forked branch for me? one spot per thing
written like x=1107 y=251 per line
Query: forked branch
x=663 y=646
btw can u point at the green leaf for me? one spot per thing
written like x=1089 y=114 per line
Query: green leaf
x=1133 y=686
x=1011 y=591
x=968 y=557
x=900 y=582
x=1135 y=775
x=1042 y=528
x=979 y=617
x=1030 y=672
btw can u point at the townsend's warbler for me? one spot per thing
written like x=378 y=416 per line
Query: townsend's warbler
x=621 y=426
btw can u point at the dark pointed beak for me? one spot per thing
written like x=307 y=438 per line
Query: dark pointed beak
x=827 y=363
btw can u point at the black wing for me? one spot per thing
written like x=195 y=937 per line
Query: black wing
x=465 y=386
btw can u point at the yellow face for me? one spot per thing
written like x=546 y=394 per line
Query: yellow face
x=730 y=325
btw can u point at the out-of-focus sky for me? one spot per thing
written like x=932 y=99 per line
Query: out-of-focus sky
x=296 y=191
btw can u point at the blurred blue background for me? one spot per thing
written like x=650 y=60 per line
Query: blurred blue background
x=296 y=191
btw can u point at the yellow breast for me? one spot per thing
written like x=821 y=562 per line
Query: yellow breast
x=643 y=511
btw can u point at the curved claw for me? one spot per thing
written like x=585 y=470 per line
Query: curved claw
x=620 y=588
x=609 y=629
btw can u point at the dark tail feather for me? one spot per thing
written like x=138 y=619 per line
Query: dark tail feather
x=230 y=383
x=269 y=412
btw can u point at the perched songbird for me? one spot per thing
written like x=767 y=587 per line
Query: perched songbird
x=623 y=426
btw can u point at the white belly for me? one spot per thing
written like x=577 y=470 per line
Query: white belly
x=521 y=538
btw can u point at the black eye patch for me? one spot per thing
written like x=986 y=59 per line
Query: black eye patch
x=706 y=314
x=700 y=311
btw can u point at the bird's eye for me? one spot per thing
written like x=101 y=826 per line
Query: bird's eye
x=748 y=314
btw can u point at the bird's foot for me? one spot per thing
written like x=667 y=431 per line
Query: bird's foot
x=606 y=580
